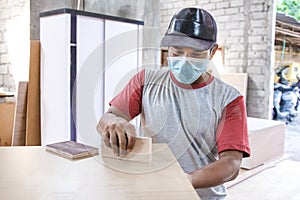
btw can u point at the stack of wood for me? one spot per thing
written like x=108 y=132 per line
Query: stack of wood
x=20 y=121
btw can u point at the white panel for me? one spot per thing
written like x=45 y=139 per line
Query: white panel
x=90 y=61
x=55 y=78
x=121 y=45
x=140 y=46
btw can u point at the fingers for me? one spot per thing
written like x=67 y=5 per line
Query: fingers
x=114 y=142
x=106 y=139
x=130 y=142
x=121 y=140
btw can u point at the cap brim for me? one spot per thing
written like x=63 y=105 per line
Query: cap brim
x=185 y=41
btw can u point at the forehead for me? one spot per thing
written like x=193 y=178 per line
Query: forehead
x=187 y=49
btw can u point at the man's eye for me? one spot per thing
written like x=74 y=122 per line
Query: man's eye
x=179 y=53
x=175 y=53
x=200 y=54
x=197 y=55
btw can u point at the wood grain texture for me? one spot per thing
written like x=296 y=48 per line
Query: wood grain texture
x=33 y=122
x=36 y=174
x=7 y=113
x=19 y=130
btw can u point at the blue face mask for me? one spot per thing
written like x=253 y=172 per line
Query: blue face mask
x=187 y=70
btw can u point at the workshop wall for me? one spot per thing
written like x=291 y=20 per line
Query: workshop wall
x=14 y=42
x=246 y=31
x=22 y=16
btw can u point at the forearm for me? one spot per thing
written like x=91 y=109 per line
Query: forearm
x=219 y=172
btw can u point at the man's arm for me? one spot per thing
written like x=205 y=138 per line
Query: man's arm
x=116 y=131
x=223 y=170
x=114 y=125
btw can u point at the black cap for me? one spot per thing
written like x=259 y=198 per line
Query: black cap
x=191 y=27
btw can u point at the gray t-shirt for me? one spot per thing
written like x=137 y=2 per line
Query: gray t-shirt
x=186 y=118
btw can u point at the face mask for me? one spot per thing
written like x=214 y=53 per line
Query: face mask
x=187 y=70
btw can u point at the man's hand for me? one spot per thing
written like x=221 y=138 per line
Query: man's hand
x=117 y=132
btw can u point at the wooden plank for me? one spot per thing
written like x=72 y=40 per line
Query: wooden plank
x=35 y=174
x=19 y=130
x=33 y=122
x=7 y=112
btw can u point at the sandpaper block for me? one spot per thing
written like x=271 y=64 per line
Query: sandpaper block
x=141 y=152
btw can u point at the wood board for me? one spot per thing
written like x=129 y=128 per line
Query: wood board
x=48 y=176
x=19 y=130
x=7 y=112
x=33 y=122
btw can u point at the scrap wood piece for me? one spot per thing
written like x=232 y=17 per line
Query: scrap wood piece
x=33 y=122
x=7 y=111
x=19 y=129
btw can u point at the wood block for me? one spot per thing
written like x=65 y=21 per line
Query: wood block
x=141 y=152
x=262 y=132
x=33 y=122
x=19 y=130
x=7 y=112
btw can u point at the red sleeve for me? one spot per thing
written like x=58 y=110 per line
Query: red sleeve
x=129 y=100
x=232 y=132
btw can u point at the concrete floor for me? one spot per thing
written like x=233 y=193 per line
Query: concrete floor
x=276 y=181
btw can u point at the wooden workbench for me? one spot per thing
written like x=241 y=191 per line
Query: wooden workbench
x=33 y=173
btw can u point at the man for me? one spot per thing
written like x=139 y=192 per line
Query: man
x=202 y=119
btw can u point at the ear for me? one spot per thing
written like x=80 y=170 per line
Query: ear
x=213 y=50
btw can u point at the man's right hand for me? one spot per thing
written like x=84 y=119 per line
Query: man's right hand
x=117 y=133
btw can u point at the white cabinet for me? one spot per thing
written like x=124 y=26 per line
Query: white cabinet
x=86 y=58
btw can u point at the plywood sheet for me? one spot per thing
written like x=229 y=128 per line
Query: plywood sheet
x=19 y=130
x=33 y=124
x=262 y=132
x=7 y=112
x=35 y=174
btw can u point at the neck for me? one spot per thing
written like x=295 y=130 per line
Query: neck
x=203 y=78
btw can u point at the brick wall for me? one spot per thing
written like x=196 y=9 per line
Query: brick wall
x=246 y=32
x=14 y=37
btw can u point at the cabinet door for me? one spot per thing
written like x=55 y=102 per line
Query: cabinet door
x=121 y=56
x=89 y=78
x=55 y=78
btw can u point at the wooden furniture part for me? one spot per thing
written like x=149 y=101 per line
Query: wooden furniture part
x=266 y=138
x=19 y=131
x=86 y=58
x=33 y=124
x=7 y=113
x=36 y=174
